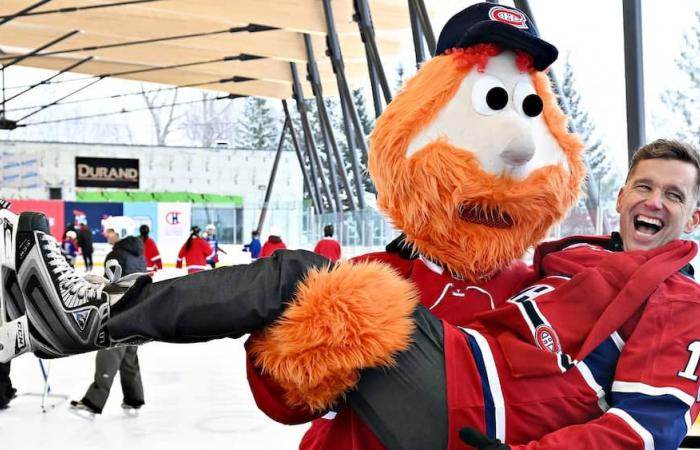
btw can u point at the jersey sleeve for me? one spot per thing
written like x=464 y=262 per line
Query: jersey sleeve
x=652 y=400
x=180 y=256
x=269 y=397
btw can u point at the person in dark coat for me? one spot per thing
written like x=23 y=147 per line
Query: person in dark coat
x=7 y=392
x=128 y=252
x=85 y=245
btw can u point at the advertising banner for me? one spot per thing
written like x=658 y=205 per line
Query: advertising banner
x=92 y=214
x=144 y=213
x=106 y=172
x=174 y=221
x=54 y=210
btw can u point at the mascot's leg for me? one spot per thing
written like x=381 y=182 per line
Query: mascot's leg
x=67 y=313
x=406 y=405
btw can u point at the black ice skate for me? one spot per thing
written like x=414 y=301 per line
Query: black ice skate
x=67 y=313
x=130 y=410
x=14 y=338
x=82 y=410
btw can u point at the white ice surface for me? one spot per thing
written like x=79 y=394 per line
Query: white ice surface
x=197 y=397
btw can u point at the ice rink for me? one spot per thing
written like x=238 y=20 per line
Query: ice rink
x=197 y=397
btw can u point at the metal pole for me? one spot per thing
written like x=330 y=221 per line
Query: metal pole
x=426 y=26
x=315 y=161
x=634 y=75
x=21 y=58
x=22 y=12
x=61 y=72
x=346 y=103
x=327 y=127
x=417 y=34
x=273 y=174
x=307 y=183
x=590 y=188
x=367 y=30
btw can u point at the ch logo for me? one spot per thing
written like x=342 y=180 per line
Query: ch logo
x=173 y=218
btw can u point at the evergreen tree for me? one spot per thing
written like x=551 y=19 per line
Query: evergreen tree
x=257 y=127
x=684 y=101
x=601 y=168
x=400 y=75
x=602 y=173
x=360 y=100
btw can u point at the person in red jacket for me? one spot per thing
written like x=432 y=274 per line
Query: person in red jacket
x=328 y=247
x=274 y=242
x=196 y=253
x=150 y=250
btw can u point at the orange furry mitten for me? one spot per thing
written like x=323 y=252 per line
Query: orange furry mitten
x=356 y=316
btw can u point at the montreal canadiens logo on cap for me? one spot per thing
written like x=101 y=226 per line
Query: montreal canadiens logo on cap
x=547 y=339
x=510 y=16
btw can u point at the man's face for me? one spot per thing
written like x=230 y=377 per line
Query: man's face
x=112 y=236
x=657 y=204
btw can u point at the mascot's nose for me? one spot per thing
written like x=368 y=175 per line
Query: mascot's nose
x=519 y=150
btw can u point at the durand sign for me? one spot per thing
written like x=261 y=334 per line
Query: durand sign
x=107 y=172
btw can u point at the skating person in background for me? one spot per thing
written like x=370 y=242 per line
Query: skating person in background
x=69 y=247
x=328 y=247
x=195 y=252
x=7 y=392
x=150 y=250
x=128 y=252
x=210 y=237
x=274 y=242
x=254 y=245
x=85 y=245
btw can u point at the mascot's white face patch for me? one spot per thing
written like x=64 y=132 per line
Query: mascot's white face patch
x=490 y=117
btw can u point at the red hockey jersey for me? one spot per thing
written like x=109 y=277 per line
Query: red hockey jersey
x=448 y=297
x=604 y=360
x=152 y=255
x=328 y=247
x=196 y=257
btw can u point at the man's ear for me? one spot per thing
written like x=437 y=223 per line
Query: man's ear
x=619 y=199
x=693 y=222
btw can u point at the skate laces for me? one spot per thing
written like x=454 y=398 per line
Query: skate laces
x=113 y=272
x=75 y=289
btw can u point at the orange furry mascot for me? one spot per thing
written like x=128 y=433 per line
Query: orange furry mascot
x=473 y=161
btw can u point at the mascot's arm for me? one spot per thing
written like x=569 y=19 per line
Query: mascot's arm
x=356 y=316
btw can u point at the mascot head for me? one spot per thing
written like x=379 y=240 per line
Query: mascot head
x=472 y=159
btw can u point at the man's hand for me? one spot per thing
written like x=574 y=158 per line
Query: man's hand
x=479 y=441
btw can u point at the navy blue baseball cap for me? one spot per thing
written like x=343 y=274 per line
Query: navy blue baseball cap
x=490 y=23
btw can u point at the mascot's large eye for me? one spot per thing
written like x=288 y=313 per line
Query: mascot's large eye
x=526 y=101
x=489 y=95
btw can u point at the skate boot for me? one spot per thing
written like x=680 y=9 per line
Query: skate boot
x=67 y=313
x=130 y=410
x=82 y=410
x=14 y=339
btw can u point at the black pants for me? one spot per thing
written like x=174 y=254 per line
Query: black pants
x=406 y=405
x=87 y=256
x=107 y=363
x=7 y=392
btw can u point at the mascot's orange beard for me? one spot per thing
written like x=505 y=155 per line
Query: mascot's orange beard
x=441 y=191
x=430 y=194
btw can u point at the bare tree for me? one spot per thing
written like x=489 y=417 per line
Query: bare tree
x=209 y=121
x=162 y=111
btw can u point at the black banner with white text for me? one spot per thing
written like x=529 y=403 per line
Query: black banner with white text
x=107 y=172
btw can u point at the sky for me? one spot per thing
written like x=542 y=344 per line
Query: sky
x=588 y=32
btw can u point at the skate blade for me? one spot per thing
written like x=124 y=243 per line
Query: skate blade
x=82 y=413
x=130 y=412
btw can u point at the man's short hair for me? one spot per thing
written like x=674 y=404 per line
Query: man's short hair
x=671 y=150
x=328 y=231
